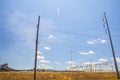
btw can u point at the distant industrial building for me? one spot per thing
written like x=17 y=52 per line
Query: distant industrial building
x=5 y=67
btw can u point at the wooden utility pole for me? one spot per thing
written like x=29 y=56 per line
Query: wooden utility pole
x=36 y=49
x=111 y=43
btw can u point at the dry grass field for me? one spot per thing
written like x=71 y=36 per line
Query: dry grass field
x=58 y=76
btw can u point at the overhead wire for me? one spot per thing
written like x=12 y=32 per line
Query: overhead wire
x=58 y=31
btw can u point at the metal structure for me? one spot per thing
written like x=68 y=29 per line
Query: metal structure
x=5 y=67
x=96 y=67
x=71 y=61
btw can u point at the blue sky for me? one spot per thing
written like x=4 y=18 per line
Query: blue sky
x=65 y=26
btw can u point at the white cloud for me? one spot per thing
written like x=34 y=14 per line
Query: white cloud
x=93 y=63
x=40 y=57
x=95 y=41
x=47 y=67
x=69 y=67
x=87 y=63
x=103 y=41
x=73 y=65
x=44 y=61
x=117 y=59
x=43 y=66
x=87 y=53
x=103 y=60
x=47 y=48
x=38 y=52
x=100 y=61
x=90 y=42
x=71 y=62
x=91 y=52
x=51 y=37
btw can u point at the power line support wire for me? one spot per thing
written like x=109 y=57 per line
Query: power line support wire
x=36 y=49
x=111 y=43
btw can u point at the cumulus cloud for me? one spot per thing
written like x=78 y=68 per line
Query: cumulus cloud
x=40 y=57
x=117 y=59
x=90 y=42
x=38 y=52
x=44 y=61
x=51 y=37
x=91 y=52
x=93 y=63
x=103 y=60
x=47 y=48
x=87 y=63
x=43 y=66
x=87 y=53
x=71 y=62
x=69 y=67
x=103 y=41
x=47 y=67
x=95 y=41
x=100 y=61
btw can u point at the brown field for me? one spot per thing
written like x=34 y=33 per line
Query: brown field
x=58 y=76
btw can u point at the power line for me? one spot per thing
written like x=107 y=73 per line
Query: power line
x=67 y=32
x=60 y=24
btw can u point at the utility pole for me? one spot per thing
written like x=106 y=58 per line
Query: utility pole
x=71 y=61
x=90 y=65
x=111 y=43
x=36 y=49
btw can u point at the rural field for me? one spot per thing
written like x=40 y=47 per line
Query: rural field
x=58 y=76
